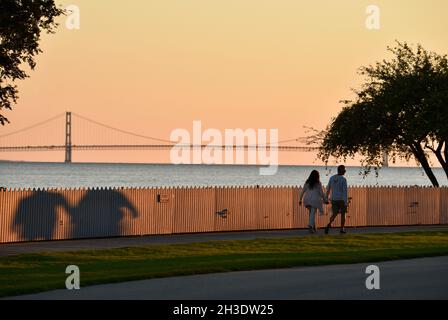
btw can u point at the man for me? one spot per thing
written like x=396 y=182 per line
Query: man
x=339 y=199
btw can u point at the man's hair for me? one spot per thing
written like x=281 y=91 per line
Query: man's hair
x=341 y=169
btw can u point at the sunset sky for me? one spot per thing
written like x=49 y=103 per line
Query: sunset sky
x=152 y=66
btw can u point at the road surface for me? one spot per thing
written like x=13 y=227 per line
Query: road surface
x=423 y=278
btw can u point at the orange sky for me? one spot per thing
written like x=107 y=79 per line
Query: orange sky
x=153 y=66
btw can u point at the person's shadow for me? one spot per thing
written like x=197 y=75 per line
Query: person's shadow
x=36 y=215
x=98 y=214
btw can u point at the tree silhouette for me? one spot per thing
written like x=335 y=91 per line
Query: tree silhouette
x=402 y=109
x=21 y=23
x=36 y=215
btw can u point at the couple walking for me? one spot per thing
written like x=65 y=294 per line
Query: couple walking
x=314 y=197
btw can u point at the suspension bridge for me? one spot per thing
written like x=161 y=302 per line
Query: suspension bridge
x=30 y=139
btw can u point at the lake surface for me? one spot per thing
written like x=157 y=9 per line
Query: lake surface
x=53 y=175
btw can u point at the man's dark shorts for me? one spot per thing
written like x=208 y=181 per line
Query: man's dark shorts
x=338 y=206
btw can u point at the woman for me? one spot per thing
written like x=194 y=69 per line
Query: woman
x=313 y=197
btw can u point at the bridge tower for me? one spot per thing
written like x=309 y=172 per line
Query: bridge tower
x=68 y=137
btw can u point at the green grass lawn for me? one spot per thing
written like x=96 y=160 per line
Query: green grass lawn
x=29 y=273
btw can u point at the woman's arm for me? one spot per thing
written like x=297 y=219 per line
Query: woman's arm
x=323 y=195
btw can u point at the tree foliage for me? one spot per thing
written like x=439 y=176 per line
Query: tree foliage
x=21 y=24
x=401 y=109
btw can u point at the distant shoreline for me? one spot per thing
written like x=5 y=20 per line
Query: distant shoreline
x=187 y=165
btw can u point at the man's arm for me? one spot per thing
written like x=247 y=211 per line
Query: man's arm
x=345 y=191
x=327 y=194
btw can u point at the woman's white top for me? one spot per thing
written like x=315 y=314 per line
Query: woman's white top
x=314 y=197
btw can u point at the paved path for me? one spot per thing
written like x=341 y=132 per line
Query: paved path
x=425 y=278
x=71 y=245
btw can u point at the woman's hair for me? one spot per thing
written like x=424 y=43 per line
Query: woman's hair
x=313 y=179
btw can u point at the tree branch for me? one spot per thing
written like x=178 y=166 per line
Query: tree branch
x=421 y=157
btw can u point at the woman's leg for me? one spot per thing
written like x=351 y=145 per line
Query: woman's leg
x=312 y=217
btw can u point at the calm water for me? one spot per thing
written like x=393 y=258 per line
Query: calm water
x=51 y=175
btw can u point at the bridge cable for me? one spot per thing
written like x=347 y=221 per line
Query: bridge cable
x=122 y=131
x=299 y=139
x=32 y=126
x=157 y=139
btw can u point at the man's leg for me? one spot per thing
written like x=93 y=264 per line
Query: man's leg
x=342 y=222
x=343 y=213
x=333 y=216
x=335 y=209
